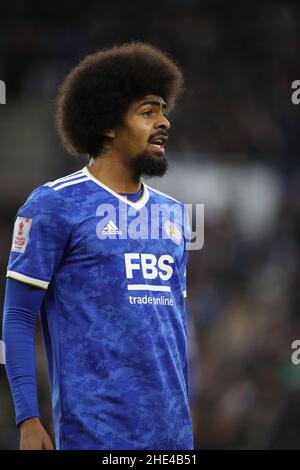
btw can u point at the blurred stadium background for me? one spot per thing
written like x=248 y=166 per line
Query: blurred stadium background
x=234 y=147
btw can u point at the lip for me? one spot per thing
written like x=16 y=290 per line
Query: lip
x=161 y=137
x=157 y=149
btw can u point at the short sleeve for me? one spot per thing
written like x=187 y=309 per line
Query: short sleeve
x=41 y=233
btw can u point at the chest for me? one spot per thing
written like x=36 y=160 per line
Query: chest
x=147 y=243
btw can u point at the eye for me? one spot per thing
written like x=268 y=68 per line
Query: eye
x=147 y=113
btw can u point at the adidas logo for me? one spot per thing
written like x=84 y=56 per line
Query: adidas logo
x=111 y=229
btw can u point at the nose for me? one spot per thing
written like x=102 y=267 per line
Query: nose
x=163 y=123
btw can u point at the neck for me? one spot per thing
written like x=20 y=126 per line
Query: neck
x=114 y=174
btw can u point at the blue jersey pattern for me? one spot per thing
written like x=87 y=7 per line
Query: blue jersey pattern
x=113 y=316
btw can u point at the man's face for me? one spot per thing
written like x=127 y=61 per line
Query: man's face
x=142 y=137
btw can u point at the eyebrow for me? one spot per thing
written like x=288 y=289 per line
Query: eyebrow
x=153 y=103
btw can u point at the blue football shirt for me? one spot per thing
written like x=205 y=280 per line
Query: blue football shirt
x=113 y=316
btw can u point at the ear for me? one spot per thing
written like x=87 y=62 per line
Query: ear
x=110 y=133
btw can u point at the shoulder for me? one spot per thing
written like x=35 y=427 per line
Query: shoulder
x=42 y=198
x=177 y=209
x=44 y=201
x=162 y=197
x=44 y=208
x=52 y=193
x=67 y=181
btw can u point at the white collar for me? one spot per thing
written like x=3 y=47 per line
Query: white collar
x=136 y=205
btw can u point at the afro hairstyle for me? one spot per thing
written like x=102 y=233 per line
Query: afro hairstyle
x=97 y=92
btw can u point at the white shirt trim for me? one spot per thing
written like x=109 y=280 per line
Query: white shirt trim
x=77 y=174
x=27 y=279
x=70 y=183
x=162 y=194
x=136 y=205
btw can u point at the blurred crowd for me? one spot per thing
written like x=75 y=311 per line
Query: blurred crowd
x=239 y=60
